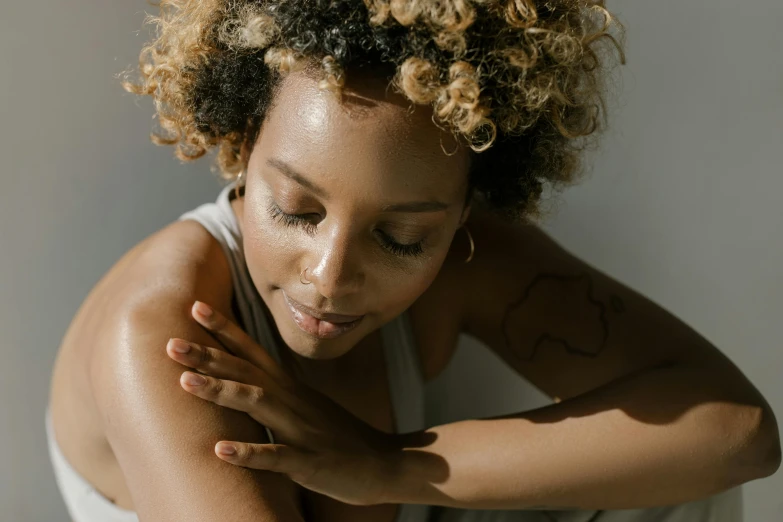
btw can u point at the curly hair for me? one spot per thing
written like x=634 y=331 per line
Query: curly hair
x=521 y=81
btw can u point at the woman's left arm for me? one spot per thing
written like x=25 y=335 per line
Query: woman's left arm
x=647 y=411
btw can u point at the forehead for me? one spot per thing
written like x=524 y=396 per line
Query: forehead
x=373 y=139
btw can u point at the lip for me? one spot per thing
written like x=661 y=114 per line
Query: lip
x=320 y=324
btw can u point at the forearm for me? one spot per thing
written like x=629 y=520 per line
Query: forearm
x=657 y=438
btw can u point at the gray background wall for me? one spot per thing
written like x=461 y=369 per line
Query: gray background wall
x=683 y=203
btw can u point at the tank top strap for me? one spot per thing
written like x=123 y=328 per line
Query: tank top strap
x=219 y=220
x=406 y=386
x=406 y=380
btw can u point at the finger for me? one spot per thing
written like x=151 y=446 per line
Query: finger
x=234 y=338
x=272 y=457
x=252 y=400
x=212 y=361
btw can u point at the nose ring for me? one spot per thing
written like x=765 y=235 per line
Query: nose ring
x=303 y=279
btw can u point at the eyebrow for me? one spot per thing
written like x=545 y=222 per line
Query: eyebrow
x=415 y=206
x=288 y=171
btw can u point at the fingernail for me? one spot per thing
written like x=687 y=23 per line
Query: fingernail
x=203 y=309
x=193 y=379
x=226 y=449
x=179 y=346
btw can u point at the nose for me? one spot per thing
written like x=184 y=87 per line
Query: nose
x=338 y=271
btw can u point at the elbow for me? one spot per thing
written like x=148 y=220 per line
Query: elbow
x=773 y=461
x=760 y=456
x=770 y=448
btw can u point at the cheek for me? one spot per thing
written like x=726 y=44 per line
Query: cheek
x=398 y=289
x=269 y=251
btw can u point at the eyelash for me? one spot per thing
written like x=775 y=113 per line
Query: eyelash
x=296 y=220
x=291 y=220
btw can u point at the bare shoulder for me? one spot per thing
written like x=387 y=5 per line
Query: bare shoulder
x=151 y=288
x=181 y=258
x=155 y=428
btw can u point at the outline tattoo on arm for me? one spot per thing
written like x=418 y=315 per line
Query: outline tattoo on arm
x=561 y=309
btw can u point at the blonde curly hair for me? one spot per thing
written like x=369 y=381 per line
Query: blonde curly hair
x=520 y=80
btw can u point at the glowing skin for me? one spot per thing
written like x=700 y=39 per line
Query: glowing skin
x=377 y=200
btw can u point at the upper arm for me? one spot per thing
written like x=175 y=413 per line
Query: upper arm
x=564 y=325
x=162 y=436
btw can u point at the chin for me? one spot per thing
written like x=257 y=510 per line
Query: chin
x=313 y=348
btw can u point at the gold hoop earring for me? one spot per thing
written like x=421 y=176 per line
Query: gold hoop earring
x=303 y=279
x=239 y=184
x=472 y=245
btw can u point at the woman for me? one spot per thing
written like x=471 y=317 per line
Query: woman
x=387 y=160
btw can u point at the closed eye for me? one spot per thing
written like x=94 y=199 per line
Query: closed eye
x=309 y=223
x=399 y=249
x=305 y=221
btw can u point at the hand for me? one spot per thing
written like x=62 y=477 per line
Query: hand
x=318 y=444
